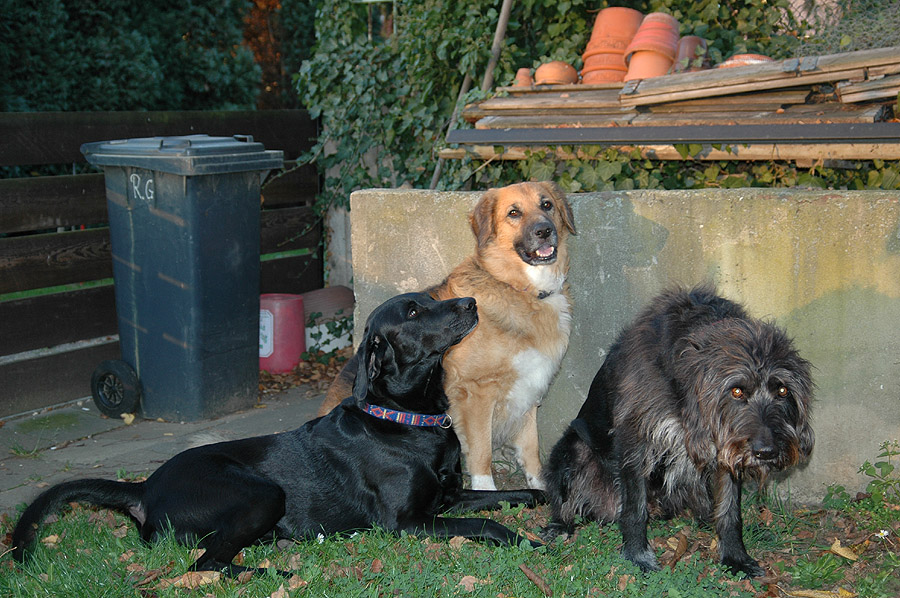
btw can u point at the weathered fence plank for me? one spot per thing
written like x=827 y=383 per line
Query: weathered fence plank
x=55 y=137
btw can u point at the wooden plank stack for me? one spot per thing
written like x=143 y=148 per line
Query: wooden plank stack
x=853 y=87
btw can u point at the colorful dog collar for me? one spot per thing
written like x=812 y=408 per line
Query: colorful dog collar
x=411 y=419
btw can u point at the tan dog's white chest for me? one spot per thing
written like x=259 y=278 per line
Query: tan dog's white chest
x=535 y=368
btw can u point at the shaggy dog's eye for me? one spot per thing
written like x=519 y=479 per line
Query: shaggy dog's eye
x=514 y=213
x=737 y=393
x=783 y=391
x=546 y=205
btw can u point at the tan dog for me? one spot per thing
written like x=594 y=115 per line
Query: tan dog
x=496 y=377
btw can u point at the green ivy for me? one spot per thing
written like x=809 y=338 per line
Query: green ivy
x=385 y=104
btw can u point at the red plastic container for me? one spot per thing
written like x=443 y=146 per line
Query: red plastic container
x=282 y=332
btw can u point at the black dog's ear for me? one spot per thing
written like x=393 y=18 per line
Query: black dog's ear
x=482 y=217
x=372 y=357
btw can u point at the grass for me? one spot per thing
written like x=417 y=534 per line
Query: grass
x=93 y=553
x=88 y=553
x=20 y=451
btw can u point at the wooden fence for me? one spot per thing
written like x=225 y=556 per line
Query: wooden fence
x=53 y=233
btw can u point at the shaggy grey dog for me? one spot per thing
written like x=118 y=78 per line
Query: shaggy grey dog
x=693 y=398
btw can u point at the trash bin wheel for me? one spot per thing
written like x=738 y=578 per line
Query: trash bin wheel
x=115 y=388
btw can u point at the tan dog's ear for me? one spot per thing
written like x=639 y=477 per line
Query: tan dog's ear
x=482 y=217
x=562 y=204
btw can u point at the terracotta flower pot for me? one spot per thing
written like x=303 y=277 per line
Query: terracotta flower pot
x=745 y=60
x=523 y=78
x=652 y=51
x=602 y=76
x=691 y=49
x=556 y=72
x=645 y=64
x=604 y=57
x=615 y=23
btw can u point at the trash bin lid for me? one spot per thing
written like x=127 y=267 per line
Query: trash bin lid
x=185 y=155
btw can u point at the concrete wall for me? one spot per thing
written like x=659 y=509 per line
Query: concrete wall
x=824 y=264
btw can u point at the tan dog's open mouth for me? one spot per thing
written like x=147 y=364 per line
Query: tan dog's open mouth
x=543 y=254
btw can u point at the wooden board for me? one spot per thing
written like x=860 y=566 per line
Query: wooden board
x=55 y=137
x=803 y=114
x=297 y=186
x=750 y=102
x=540 y=89
x=38 y=383
x=38 y=261
x=292 y=274
x=640 y=97
x=40 y=203
x=288 y=229
x=779 y=74
x=754 y=133
x=527 y=120
x=50 y=320
x=45 y=260
x=873 y=89
x=789 y=152
x=600 y=99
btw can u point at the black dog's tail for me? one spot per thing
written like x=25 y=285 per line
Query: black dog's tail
x=120 y=496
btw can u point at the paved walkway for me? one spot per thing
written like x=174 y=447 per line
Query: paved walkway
x=75 y=441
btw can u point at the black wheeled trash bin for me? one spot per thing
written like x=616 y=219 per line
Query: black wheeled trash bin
x=184 y=231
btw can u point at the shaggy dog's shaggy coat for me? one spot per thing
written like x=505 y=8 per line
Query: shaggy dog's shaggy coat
x=693 y=398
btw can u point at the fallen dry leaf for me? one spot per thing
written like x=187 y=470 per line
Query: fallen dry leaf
x=126 y=556
x=190 y=580
x=624 y=580
x=839 y=593
x=279 y=593
x=377 y=566
x=120 y=532
x=51 y=540
x=128 y=418
x=681 y=546
x=103 y=518
x=843 y=551
x=457 y=541
x=296 y=582
x=468 y=583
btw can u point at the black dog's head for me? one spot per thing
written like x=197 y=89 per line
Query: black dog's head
x=753 y=395
x=399 y=358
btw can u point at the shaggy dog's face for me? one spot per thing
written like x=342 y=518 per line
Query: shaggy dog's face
x=754 y=395
x=529 y=219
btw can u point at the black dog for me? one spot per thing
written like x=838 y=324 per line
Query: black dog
x=692 y=399
x=386 y=456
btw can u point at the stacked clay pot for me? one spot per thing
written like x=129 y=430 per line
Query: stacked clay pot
x=652 y=50
x=604 y=57
x=691 y=50
x=523 y=78
x=555 y=72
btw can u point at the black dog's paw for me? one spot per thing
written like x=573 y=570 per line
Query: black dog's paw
x=743 y=566
x=556 y=530
x=535 y=543
x=645 y=559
